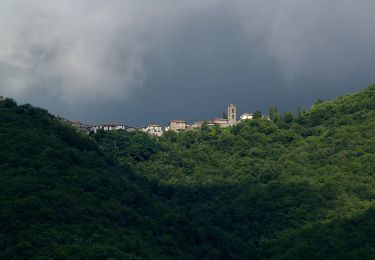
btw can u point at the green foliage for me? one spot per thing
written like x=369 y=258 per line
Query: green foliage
x=288 y=117
x=257 y=115
x=296 y=187
x=62 y=197
x=274 y=114
x=289 y=188
x=132 y=146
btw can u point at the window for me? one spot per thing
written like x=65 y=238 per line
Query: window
x=232 y=116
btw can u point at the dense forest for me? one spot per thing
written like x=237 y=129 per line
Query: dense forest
x=299 y=186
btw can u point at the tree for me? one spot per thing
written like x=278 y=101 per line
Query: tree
x=204 y=126
x=274 y=114
x=288 y=117
x=257 y=115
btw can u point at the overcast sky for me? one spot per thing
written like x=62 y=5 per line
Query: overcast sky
x=139 y=62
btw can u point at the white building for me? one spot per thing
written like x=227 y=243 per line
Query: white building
x=110 y=127
x=153 y=129
x=246 y=116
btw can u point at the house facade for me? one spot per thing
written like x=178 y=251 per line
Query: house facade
x=222 y=122
x=153 y=129
x=112 y=127
x=178 y=125
x=246 y=116
x=197 y=125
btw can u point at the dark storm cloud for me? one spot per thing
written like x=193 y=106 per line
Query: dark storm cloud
x=141 y=61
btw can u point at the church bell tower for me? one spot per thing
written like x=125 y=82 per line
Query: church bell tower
x=232 y=115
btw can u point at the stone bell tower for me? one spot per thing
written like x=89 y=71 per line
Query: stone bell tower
x=232 y=115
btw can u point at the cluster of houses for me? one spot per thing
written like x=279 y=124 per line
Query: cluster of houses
x=182 y=125
x=158 y=130
x=174 y=125
x=95 y=128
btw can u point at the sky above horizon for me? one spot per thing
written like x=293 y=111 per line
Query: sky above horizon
x=140 y=62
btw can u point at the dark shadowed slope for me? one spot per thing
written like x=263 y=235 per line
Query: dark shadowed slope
x=61 y=197
x=301 y=186
x=269 y=189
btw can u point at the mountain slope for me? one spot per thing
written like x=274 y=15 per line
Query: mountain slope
x=268 y=189
x=62 y=197
x=298 y=187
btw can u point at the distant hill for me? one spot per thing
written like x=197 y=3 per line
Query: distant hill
x=61 y=197
x=300 y=186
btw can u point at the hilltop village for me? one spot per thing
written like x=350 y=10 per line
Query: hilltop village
x=174 y=125
x=230 y=119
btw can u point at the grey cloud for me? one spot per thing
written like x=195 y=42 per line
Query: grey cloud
x=66 y=51
x=324 y=38
x=146 y=61
x=79 y=51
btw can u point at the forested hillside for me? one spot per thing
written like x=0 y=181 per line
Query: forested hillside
x=61 y=197
x=300 y=186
